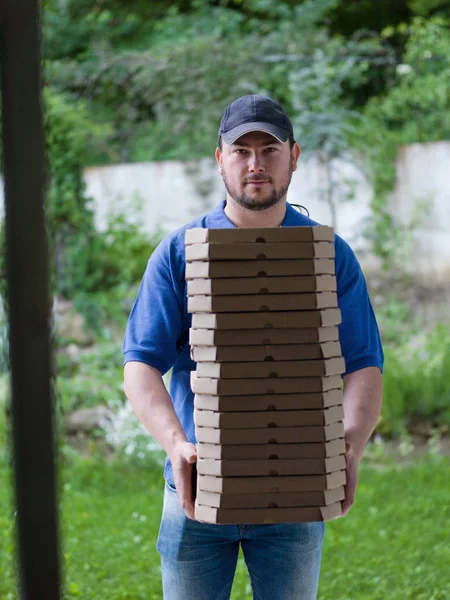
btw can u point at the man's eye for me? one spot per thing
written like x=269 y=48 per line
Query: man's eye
x=268 y=150
x=240 y=151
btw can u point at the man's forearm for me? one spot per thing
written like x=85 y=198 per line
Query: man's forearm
x=363 y=391
x=145 y=389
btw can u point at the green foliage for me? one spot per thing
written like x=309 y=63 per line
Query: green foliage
x=415 y=109
x=167 y=102
x=94 y=377
x=416 y=383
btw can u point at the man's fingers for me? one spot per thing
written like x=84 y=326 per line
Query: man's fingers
x=350 y=487
x=183 y=484
x=189 y=453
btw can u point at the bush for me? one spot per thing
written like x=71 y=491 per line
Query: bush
x=417 y=383
x=94 y=378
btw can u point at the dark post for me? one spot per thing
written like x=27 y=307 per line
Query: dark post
x=28 y=301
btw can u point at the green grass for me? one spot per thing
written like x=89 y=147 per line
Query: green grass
x=393 y=545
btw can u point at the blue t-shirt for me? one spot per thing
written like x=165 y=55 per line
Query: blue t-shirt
x=157 y=332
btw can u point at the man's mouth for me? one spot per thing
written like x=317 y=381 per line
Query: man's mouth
x=257 y=182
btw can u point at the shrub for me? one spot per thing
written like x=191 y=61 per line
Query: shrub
x=417 y=383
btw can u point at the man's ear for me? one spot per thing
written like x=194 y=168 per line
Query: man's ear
x=219 y=159
x=295 y=154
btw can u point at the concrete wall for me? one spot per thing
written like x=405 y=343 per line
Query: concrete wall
x=423 y=186
x=169 y=194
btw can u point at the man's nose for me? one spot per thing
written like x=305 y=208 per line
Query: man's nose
x=256 y=163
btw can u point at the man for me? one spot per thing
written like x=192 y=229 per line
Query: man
x=256 y=157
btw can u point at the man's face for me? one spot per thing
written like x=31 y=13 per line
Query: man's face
x=257 y=169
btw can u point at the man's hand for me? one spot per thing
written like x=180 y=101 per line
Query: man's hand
x=183 y=458
x=363 y=391
x=352 y=460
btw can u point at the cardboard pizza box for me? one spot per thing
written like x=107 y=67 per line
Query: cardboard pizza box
x=207 y=514
x=256 y=420
x=262 y=485
x=260 y=268
x=283 y=385
x=268 y=320
x=270 y=435
x=307 y=233
x=259 y=251
x=271 y=500
x=313 y=401
x=270 y=468
x=272 y=369
x=265 y=352
x=262 y=302
x=261 y=285
x=271 y=451
x=257 y=337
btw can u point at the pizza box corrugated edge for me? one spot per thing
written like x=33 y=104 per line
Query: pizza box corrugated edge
x=272 y=369
x=313 y=401
x=268 y=451
x=259 y=268
x=285 y=385
x=259 y=251
x=262 y=302
x=305 y=233
x=250 y=337
x=274 y=500
x=208 y=514
x=276 y=435
x=270 y=468
x=256 y=485
x=241 y=286
x=251 y=420
x=268 y=320
x=265 y=352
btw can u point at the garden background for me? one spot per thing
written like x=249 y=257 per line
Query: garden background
x=128 y=82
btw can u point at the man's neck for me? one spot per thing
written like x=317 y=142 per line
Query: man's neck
x=243 y=217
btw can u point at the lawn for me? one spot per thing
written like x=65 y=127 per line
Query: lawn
x=393 y=545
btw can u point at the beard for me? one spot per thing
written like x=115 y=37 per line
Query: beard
x=250 y=203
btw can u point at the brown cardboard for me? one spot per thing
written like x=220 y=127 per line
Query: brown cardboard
x=265 y=352
x=259 y=251
x=288 y=385
x=259 y=268
x=260 y=234
x=262 y=485
x=270 y=468
x=256 y=337
x=262 y=302
x=318 y=400
x=256 y=420
x=261 y=285
x=207 y=514
x=271 y=451
x=271 y=500
x=268 y=320
x=272 y=369
x=270 y=435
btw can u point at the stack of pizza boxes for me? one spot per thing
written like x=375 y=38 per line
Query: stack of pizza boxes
x=268 y=399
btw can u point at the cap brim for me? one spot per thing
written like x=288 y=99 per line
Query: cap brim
x=231 y=136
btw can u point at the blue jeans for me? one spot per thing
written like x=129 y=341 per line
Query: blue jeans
x=198 y=560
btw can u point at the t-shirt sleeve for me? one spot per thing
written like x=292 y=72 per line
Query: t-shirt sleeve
x=155 y=325
x=358 y=332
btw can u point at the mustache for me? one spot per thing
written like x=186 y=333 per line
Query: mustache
x=257 y=179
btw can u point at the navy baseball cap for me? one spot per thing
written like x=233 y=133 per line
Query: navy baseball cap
x=254 y=113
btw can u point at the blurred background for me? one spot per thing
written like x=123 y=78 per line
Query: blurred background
x=133 y=94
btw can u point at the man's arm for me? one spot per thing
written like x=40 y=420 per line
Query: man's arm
x=145 y=389
x=363 y=391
